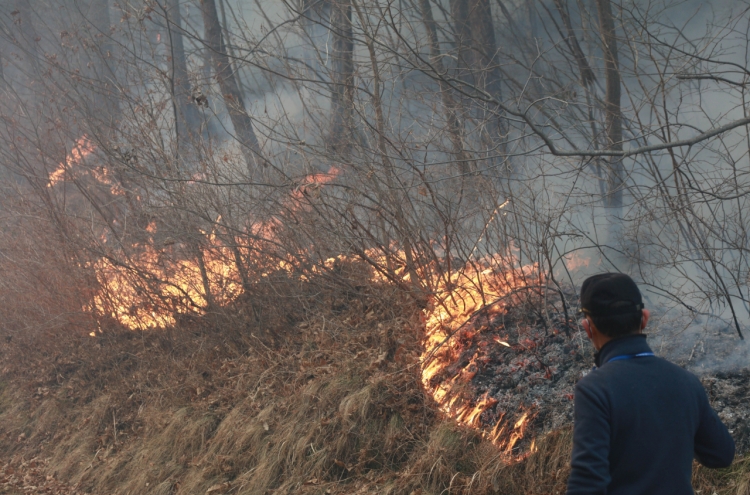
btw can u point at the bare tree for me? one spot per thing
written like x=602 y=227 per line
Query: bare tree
x=225 y=76
x=26 y=37
x=342 y=98
x=451 y=108
x=613 y=112
x=187 y=115
x=414 y=100
x=587 y=75
x=100 y=67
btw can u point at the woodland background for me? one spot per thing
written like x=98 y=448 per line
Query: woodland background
x=194 y=186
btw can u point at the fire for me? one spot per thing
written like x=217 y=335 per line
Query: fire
x=104 y=176
x=500 y=437
x=83 y=148
x=456 y=299
x=151 y=287
x=180 y=287
x=71 y=168
x=501 y=342
x=576 y=261
x=184 y=287
x=312 y=183
x=470 y=416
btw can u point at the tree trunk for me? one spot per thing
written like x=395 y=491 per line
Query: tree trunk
x=465 y=62
x=208 y=295
x=102 y=69
x=342 y=61
x=613 y=113
x=484 y=45
x=490 y=78
x=455 y=127
x=26 y=35
x=187 y=115
x=392 y=193
x=477 y=64
x=587 y=75
x=243 y=125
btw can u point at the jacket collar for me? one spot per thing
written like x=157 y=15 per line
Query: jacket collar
x=629 y=344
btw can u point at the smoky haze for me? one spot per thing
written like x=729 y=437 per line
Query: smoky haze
x=142 y=140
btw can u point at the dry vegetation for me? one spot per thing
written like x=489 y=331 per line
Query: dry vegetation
x=321 y=394
x=196 y=165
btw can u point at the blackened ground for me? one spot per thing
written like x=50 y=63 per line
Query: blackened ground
x=729 y=393
x=536 y=372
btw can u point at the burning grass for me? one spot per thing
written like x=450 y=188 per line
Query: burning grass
x=318 y=393
x=158 y=281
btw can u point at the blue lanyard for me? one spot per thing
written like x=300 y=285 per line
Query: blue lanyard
x=630 y=356
x=627 y=356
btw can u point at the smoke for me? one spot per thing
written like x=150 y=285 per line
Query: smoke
x=441 y=129
x=703 y=344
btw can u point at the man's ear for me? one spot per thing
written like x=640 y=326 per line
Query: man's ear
x=587 y=327
x=645 y=315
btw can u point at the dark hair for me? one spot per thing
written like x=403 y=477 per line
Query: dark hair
x=618 y=325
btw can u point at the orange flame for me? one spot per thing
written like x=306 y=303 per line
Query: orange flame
x=83 y=148
x=457 y=298
x=211 y=277
x=181 y=286
x=178 y=288
x=576 y=261
x=312 y=183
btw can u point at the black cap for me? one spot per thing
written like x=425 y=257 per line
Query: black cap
x=610 y=294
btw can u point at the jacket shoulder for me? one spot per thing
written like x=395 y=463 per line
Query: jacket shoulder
x=680 y=372
x=667 y=371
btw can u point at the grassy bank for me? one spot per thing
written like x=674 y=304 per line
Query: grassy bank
x=320 y=395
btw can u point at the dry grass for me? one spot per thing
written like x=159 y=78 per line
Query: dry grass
x=321 y=395
x=734 y=480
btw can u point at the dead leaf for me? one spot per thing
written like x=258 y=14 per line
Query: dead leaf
x=379 y=361
x=220 y=488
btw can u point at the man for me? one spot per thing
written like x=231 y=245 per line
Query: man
x=639 y=419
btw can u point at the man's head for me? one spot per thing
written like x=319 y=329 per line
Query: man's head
x=613 y=307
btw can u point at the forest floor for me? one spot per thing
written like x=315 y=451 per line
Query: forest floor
x=317 y=394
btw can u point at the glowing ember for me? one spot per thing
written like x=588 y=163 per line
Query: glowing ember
x=501 y=342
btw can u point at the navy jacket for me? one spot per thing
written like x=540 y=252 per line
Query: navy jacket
x=638 y=424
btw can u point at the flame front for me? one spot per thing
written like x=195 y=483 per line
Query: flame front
x=177 y=287
x=181 y=289
x=151 y=288
x=457 y=298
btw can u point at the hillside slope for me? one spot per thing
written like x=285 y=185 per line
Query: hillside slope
x=320 y=394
